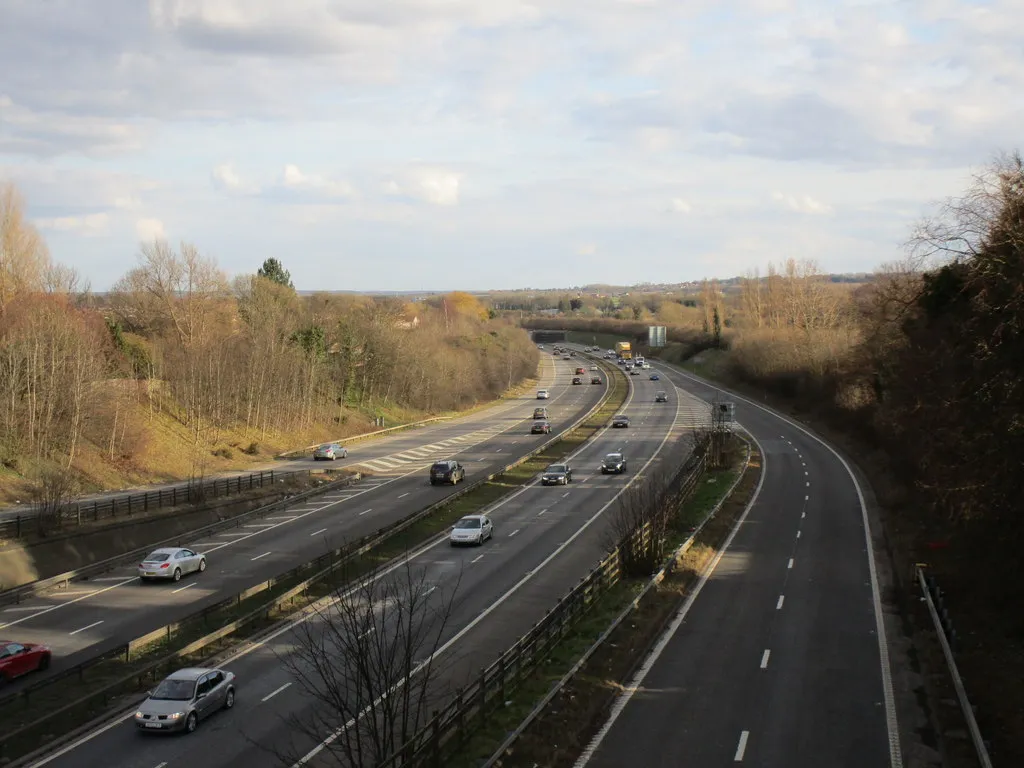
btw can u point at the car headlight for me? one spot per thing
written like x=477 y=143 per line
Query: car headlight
x=175 y=715
x=139 y=714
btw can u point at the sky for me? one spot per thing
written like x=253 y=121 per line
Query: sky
x=499 y=144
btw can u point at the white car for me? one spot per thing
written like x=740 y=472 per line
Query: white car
x=472 y=529
x=171 y=563
x=543 y=394
x=646 y=366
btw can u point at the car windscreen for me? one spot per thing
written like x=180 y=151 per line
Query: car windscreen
x=471 y=522
x=174 y=690
x=158 y=557
x=440 y=467
x=556 y=468
x=613 y=457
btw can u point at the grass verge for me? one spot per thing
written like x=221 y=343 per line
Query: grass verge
x=564 y=728
x=17 y=713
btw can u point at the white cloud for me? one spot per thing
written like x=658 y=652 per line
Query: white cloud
x=801 y=203
x=294 y=180
x=150 y=229
x=679 y=205
x=86 y=226
x=587 y=249
x=437 y=186
x=226 y=179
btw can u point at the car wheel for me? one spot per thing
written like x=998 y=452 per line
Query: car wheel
x=191 y=722
x=177 y=574
x=44 y=662
x=229 y=700
x=202 y=565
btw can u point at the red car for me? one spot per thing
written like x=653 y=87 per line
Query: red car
x=17 y=659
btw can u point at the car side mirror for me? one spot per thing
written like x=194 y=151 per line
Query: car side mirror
x=200 y=696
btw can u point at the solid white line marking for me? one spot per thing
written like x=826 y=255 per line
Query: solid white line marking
x=259 y=525
x=475 y=559
x=259 y=556
x=764 y=658
x=182 y=589
x=108 y=578
x=741 y=748
x=94 y=624
x=234 y=534
x=272 y=694
x=317 y=533
x=778 y=605
x=403 y=495
x=790 y=563
x=365 y=511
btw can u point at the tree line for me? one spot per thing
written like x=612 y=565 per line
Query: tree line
x=179 y=337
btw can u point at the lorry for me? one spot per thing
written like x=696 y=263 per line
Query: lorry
x=623 y=350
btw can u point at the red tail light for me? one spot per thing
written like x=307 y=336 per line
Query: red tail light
x=165 y=565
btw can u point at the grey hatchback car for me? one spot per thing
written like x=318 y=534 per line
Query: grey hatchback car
x=185 y=698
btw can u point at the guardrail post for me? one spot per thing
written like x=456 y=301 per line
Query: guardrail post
x=129 y=506
x=113 y=506
x=17 y=526
x=483 y=695
x=501 y=678
x=435 y=741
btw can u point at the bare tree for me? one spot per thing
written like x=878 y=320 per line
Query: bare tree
x=366 y=664
x=51 y=494
x=24 y=257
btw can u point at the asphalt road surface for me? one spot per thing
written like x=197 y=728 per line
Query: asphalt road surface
x=546 y=539
x=95 y=616
x=777 y=663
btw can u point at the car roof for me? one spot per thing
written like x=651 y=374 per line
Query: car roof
x=613 y=453
x=166 y=550
x=472 y=517
x=189 y=673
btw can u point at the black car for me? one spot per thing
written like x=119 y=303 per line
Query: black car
x=577 y=380
x=541 y=428
x=613 y=464
x=620 y=421
x=661 y=396
x=557 y=474
x=448 y=471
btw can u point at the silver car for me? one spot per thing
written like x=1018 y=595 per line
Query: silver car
x=185 y=698
x=330 y=452
x=171 y=563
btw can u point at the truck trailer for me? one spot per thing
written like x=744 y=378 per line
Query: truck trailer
x=623 y=350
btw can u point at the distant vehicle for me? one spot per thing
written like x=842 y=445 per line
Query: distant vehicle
x=472 y=529
x=595 y=379
x=655 y=377
x=613 y=464
x=540 y=413
x=447 y=471
x=620 y=421
x=330 y=451
x=17 y=659
x=624 y=349
x=171 y=563
x=629 y=366
x=540 y=346
x=661 y=396
x=565 y=357
x=557 y=474
x=634 y=371
x=186 y=697
x=646 y=366
x=543 y=394
x=594 y=368
x=581 y=370
x=611 y=352
x=577 y=379
x=541 y=428
x=572 y=354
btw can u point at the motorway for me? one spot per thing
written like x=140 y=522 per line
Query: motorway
x=546 y=539
x=95 y=616
x=780 y=659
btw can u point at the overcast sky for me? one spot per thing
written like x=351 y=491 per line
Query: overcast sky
x=475 y=144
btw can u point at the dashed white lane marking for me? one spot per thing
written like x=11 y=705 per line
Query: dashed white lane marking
x=803 y=515
x=806 y=473
x=477 y=558
x=109 y=578
x=741 y=748
x=778 y=605
x=282 y=517
x=21 y=608
x=798 y=534
x=565 y=494
x=807 y=498
x=162 y=765
x=274 y=693
x=365 y=511
x=764 y=658
x=808 y=483
x=259 y=556
x=402 y=496
x=317 y=533
x=182 y=589
x=790 y=565
x=541 y=512
x=232 y=533
x=429 y=591
x=90 y=626
x=260 y=525
x=517 y=530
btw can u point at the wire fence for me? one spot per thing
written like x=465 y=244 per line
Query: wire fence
x=451 y=727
